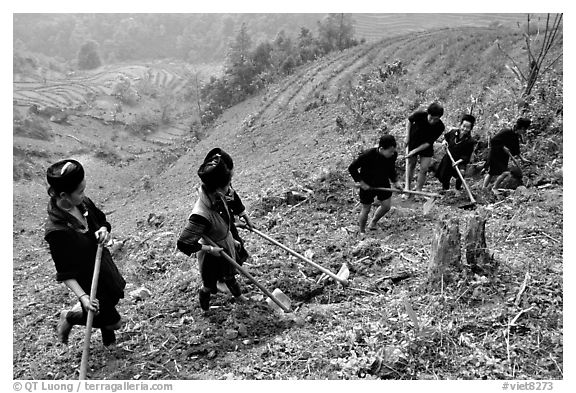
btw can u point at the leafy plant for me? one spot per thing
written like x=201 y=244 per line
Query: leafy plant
x=88 y=57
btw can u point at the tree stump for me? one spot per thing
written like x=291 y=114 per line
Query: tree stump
x=478 y=256
x=445 y=256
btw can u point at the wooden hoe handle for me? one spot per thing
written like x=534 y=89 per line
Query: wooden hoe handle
x=248 y=275
x=460 y=175
x=302 y=257
x=90 y=318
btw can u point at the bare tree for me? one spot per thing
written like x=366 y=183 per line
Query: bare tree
x=538 y=52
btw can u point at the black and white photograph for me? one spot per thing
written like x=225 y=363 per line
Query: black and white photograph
x=362 y=196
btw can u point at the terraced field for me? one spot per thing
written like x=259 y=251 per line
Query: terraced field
x=373 y=27
x=325 y=81
x=74 y=90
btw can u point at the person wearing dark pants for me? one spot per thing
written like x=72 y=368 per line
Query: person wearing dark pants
x=504 y=144
x=460 y=143
x=423 y=128
x=74 y=228
x=375 y=167
x=213 y=216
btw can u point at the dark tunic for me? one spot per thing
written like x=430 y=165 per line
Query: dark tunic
x=212 y=217
x=498 y=158
x=376 y=171
x=421 y=131
x=236 y=208
x=73 y=249
x=460 y=148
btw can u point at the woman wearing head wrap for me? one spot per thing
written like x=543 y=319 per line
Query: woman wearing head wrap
x=73 y=230
x=213 y=217
x=461 y=146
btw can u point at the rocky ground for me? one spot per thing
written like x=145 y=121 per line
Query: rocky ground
x=475 y=328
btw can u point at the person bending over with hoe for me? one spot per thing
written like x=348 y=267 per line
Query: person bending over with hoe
x=509 y=180
x=212 y=216
x=374 y=168
x=504 y=145
x=423 y=128
x=460 y=143
x=74 y=228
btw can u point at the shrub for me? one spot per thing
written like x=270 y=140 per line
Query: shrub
x=88 y=57
x=145 y=123
x=124 y=91
x=32 y=127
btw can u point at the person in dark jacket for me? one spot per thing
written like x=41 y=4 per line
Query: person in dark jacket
x=423 y=128
x=234 y=203
x=502 y=145
x=460 y=143
x=213 y=217
x=74 y=228
x=375 y=168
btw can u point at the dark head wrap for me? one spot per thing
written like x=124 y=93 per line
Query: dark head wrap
x=216 y=170
x=523 y=123
x=65 y=176
x=435 y=109
x=386 y=141
x=469 y=118
x=224 y=156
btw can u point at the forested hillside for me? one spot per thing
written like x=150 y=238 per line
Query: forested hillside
x=196 y=38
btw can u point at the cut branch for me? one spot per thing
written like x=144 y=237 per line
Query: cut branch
x=522 y=289
x=513 y=321
x=512 y=60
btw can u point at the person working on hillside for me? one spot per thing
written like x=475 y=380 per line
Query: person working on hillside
x=234 y=204
x=460 y=143
x=213 y=216
x=375 y=167
x=509 y=180
x=504 y=144
x=74 y=228
x=423 y=128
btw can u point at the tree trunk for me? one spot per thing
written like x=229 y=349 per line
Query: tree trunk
x=477 y=254
x=445 y=255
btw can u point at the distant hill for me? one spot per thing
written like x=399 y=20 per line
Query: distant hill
x=196 y=38
x=374 y=27
x=200 y=38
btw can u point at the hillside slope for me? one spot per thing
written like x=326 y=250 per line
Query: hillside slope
x=287 y=139
x=273 y=135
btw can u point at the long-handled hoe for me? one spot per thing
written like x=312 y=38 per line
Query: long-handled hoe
x=472 y=203
x=341 y=277
x=428 y=205
x=514 y=160
x=90 y=318
x=277 y=296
